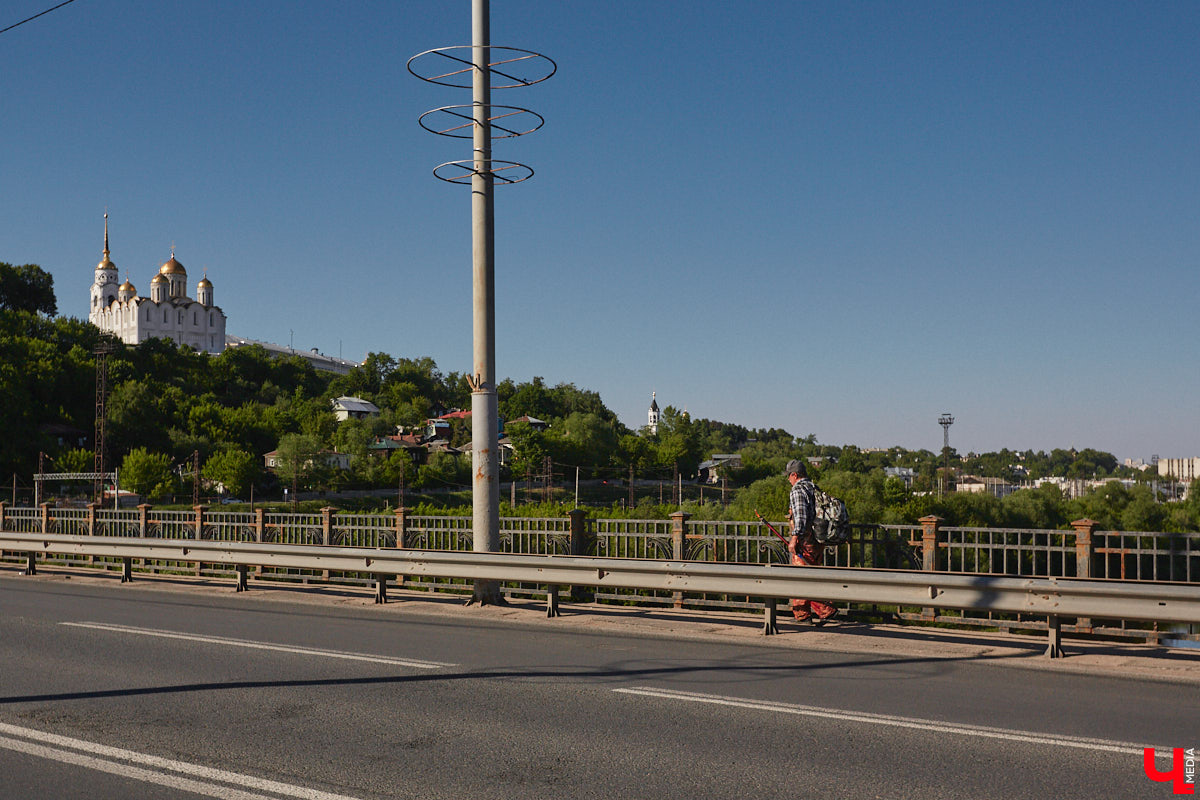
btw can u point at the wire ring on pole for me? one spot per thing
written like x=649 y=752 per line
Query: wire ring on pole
x=462 y=125
x=502 y=172
x=514 y=61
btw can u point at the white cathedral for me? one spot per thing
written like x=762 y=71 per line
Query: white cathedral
x=167 y=313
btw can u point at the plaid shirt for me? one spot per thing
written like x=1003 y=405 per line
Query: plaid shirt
x=800 y=506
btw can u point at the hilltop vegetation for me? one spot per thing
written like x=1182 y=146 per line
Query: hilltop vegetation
x=167 y=403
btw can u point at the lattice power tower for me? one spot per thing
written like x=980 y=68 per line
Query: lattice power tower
x=481 y=67
x=945 y=420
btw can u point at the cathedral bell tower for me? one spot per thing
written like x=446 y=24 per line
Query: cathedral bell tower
x=104 y=285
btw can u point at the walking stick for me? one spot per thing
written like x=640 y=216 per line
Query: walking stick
x=764 y=521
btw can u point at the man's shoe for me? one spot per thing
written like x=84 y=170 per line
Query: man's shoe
x=819 y=621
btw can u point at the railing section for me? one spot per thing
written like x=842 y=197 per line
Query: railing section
x=1119 y=555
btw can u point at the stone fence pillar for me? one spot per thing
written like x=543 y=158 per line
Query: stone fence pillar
x=931 y=534
x=582 y=543
x=1085 y=548
x=144 y=519
x=679 y=546
x=402 y=528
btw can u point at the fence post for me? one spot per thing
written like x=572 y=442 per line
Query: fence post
x=45 y=517
x=327 y=525
x=582 y=543
x=91 y=526
x=1085 y=549
x=3 y=523
x=199 y=532
x=402 y=528
x=679 y=546
x=401 y=536
x=326 y=533
x=931 y=529
x=260 y=531
x=144 y=519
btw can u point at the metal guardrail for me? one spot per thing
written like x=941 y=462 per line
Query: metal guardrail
x=1051 y=597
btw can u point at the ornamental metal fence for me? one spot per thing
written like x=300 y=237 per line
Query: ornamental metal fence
x=1082 y=551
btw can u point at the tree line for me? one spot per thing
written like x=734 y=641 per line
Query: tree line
x=168 y=404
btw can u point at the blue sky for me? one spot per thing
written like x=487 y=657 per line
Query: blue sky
x=836 y=218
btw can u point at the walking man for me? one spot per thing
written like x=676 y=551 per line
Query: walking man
x=803 y=546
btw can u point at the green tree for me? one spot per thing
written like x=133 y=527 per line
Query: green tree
x=234 y=469
x=296 y=460
x=149 y=474
x=27 y=287
x=75 y=460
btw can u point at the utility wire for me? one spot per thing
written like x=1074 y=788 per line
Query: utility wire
x=35 y=16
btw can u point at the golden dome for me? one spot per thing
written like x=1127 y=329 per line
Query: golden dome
x=204 y=283
x=106 y=263
x=126 y=287
x=159 y=278
x=172 y=267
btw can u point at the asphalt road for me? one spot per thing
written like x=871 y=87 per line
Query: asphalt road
x=162 y=691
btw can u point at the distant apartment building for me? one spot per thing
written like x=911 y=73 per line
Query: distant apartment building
x=1181 y=469
x=1073 y=488
x=906 y=474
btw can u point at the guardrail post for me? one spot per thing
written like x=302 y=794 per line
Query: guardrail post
x=679 y=546
x=1054 y=649
x=1085 y=550
x=770 y=617
x=931 y=530
x=582 y=543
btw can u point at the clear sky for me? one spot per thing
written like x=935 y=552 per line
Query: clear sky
x=841 y=219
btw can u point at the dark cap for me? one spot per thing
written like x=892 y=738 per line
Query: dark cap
x=796 y=466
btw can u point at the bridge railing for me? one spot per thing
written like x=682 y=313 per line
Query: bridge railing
x=1082 y=551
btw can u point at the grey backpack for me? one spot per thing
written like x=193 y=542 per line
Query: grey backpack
x=831 y=523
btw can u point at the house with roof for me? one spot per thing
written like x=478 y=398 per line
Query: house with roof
x=330 y=458
x=345 y=408
x=411 y=443
x=710 y=471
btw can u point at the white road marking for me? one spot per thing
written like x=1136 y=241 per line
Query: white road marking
x=283 y=648
x=962 y=729
x=152 y=769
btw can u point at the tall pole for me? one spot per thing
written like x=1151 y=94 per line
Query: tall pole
x=484 y=406
x=945 y=420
